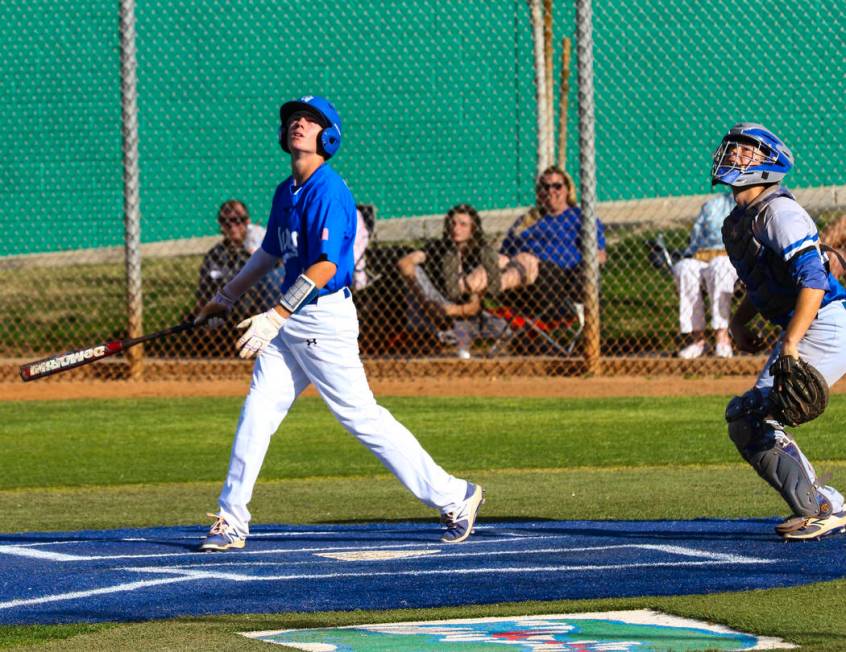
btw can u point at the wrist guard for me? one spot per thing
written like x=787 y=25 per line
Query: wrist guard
x=299 y=294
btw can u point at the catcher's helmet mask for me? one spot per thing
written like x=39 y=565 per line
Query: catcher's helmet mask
x=329 y=139
x=776 y=160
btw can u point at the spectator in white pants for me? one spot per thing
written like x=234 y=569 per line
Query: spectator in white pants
x=705 y=263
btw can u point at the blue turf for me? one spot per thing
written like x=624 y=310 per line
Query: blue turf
x=154 y=573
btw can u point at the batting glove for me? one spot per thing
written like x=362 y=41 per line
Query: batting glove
x=260 y=330
x=220 y=303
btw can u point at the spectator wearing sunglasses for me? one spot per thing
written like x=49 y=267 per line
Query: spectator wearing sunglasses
x=223 y=261
x=547 y=239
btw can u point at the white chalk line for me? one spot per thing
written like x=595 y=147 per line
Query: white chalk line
x=79 y=595
x=674 y=550
x=22 y=551
x=238 y=577
x=187 y=573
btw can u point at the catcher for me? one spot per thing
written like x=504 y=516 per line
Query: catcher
x=774 y=246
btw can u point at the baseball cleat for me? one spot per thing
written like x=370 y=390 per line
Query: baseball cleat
x=459 y=524
x=817 y=527
x=222 y=536
x=792 y=523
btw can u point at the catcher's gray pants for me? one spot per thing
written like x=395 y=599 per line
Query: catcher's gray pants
x=824 y=347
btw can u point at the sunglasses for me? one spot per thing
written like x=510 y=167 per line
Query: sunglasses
x=229 y=221
x=558 y=185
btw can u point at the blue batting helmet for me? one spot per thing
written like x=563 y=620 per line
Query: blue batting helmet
x=775 y=159
x=329 y=140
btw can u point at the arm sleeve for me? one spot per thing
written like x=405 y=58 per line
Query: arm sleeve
x=257 y=266
x=270 y=242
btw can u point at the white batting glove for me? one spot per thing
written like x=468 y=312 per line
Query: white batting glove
x=260 y=330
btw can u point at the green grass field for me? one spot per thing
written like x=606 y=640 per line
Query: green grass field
x=128 y=463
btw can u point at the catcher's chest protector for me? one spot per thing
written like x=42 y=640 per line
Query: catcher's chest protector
x=756 y=264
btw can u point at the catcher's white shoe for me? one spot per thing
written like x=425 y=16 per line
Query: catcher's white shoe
x=459 y=524
x=812 y=528
x=222 y=536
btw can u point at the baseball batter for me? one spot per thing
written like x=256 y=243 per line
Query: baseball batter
x=774 y=246
x=311 y=336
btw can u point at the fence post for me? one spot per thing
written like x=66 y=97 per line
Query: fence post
x=131 y=184
x=587 y=177
x=541 y=92
x=550 y=84
x=563 y=106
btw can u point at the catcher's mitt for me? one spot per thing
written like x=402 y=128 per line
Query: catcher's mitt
x=800 y=393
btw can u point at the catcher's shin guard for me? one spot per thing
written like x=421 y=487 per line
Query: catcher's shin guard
x=775 y=456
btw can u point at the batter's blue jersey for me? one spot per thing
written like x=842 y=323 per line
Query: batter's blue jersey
x=311 y=223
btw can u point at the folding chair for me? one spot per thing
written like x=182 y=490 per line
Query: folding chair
x=549 y=314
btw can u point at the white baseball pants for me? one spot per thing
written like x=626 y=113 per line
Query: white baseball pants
x=719 y=278
x=319 y=346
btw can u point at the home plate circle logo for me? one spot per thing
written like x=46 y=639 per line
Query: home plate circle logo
x=587 y=632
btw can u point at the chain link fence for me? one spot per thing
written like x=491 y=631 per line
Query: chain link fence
x=444 y=104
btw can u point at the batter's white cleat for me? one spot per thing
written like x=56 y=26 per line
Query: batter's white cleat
x=222 y=537
x=814 y=527
x=459 y=524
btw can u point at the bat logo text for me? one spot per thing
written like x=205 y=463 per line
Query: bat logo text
x=67 y=360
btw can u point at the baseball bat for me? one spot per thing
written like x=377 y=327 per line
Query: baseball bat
x=63 y=361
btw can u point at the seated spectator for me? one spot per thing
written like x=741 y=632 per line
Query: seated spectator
x=834 y=237
x=705 y=264
x=437 y=277
x=223 y=260
x=547 y=239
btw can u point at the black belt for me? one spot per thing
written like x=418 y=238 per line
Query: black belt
x=346 y=291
